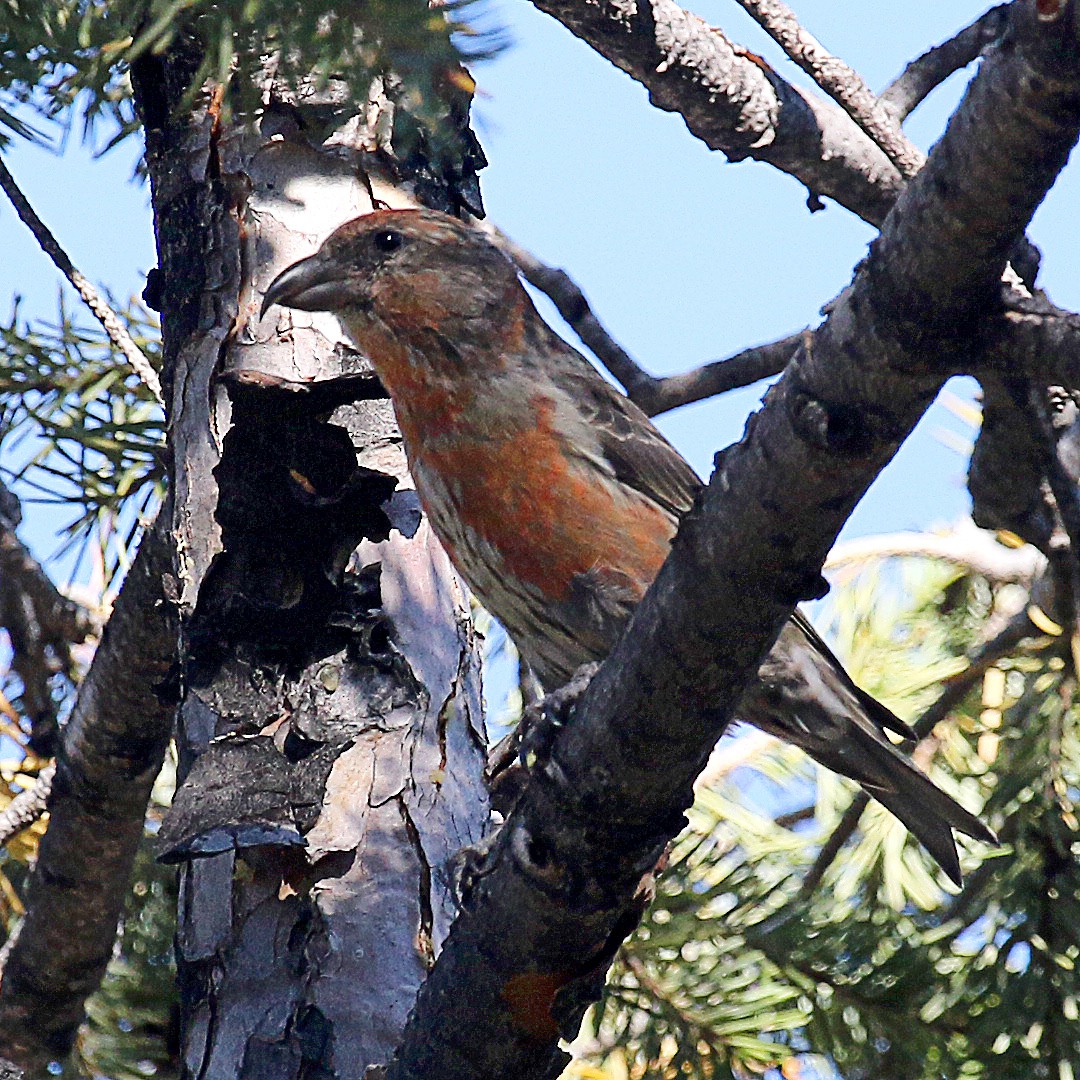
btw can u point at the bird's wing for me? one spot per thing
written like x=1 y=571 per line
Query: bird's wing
x=806 y=698
x=640 y=457
x=803 y=694
x=881 y=715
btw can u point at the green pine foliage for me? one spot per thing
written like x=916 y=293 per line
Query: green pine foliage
x=67 y=55
x=78 y=431
x=131 y=1030
x=884 y=969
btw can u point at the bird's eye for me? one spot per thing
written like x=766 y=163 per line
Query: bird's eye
x=388 y=240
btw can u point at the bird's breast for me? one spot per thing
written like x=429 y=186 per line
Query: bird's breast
x=517 y=501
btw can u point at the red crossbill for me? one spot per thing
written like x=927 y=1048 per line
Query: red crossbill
x=554 y=495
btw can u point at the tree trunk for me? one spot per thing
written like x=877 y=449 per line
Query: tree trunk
x=330 y=726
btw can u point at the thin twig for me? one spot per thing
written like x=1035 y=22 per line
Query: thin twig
x=847 y=824
x=973 y=548
x=954 y=692
x=845 y=86
x=572 y=305
x=28 y=806
x=114 y=327
x=927 y=72
x=718 y=377
x=1064 y=550
x=651 y=394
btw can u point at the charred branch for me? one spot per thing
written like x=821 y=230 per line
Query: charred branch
x=1005 y=474
x=111 y=753
x=549 y=903
x=330 y=725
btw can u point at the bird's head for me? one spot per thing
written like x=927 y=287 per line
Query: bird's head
x=410 y=270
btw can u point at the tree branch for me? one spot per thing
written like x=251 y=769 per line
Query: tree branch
x=718 y=377
x=975 y=549
x=1041 y=340
x=653 y=395
x=545 y=909
x=574 y=307
x=112 y=750
x=41 y=623
x=27 y=807
x=734 y=102
x=843 y=84
x=114 y=327
x=927 y=72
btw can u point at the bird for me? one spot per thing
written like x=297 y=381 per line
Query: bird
x=555 y=496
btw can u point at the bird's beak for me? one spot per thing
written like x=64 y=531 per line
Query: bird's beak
x=313 y=284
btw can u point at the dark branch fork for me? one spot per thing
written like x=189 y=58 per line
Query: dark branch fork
x=532 y=943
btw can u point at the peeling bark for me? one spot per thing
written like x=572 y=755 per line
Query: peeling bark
x=331 y=724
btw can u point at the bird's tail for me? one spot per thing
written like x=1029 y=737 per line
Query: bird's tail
x=805 y=697
x=885 y=773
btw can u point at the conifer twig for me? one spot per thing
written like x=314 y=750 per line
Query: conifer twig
x=103 y=312
x=28 y=806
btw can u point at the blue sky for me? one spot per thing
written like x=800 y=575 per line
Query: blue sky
x=686 y=258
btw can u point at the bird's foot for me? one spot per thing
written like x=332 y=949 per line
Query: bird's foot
x=529 y=745
x=541 y=721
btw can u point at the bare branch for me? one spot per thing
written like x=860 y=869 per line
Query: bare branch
x=1041 y=340
x=112 y=751
x=734 y=102
x=114 y=326
x=927 y=72
x=653 y=395
x=840 y=82
x=28 y=806
x=574 y=307
x=741 y=369
x=41 y=624
x=973 y=548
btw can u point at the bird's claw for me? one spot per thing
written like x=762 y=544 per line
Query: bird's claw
x=541 y=721
x=529 y=745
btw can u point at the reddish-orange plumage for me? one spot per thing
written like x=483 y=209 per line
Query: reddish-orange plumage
x=548 y=519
